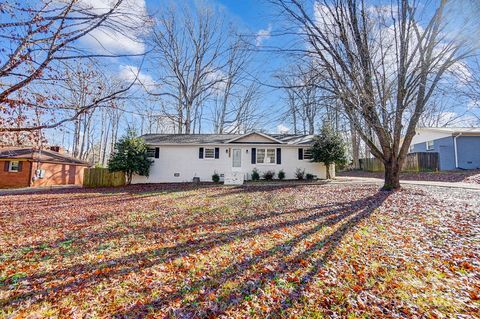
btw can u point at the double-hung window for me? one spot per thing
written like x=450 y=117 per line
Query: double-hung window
x=151 y=152
x=209 y=152
x=307 y=154
x=14 y=166
x=266 y=156
x=430 y=145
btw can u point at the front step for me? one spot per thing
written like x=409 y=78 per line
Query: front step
x=233 y=178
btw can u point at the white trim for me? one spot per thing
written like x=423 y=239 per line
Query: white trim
x=429 y=147
x=10 y=166
x=258 y=133
x=456 y=149
x=266 y=148
x=311 y=155
x=205 y=153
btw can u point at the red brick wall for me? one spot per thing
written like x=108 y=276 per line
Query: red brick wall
x=58 y=174
x=15 y=179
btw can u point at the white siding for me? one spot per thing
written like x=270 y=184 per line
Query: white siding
x=183 y=159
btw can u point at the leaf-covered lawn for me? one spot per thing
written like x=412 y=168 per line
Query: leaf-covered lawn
x=459 y=176
x=300 y=251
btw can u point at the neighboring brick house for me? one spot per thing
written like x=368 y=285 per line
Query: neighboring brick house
x=31 y=167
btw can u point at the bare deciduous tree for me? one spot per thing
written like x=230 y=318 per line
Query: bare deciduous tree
x=42 y=36
x=383 y=64
x=188 y=52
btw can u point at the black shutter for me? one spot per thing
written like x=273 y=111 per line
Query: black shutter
x=254 y=155
x=279 y=155
x=157 y=152
x=20 y=164
x=217 y=152
x=6 y=166
x=300 y=153
x=200 y=152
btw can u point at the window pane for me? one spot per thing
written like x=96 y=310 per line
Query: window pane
x=209 y=153
x=429 y=145
x=151 y=152
x=307 y=154
x=14 y=166
x=270 y=156
x=261 y=155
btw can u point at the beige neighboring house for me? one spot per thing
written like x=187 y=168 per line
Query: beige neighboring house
x=182 y=157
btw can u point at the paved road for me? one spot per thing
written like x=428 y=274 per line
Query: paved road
x=370 y=180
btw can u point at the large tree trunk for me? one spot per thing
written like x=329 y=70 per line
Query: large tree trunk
x=355 y=148
x=392 y=174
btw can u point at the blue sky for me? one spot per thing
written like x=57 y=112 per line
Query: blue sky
x=251 y=18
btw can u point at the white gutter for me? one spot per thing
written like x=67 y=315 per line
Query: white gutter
x=456 y=150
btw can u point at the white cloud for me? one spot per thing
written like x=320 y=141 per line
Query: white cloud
x=456 y=120
x=130 y=23
x=282 y=129
x=262 y=35
x=218 y=76
x=128 y=73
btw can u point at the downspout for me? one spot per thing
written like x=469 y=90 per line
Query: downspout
x=455 y=147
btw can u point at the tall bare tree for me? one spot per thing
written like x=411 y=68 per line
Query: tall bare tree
x=42 y=35
x=187 y=51
x=383 y=63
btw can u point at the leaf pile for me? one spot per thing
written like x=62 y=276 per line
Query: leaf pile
x=286 y=251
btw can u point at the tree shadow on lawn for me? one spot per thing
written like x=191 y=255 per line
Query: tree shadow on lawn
x=260 y=188
x=74 y=278
x=137 y=191
x=86 y=273
x=96 y=236
x=201 y=307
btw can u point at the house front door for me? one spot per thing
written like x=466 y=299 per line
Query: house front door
x=237 y=158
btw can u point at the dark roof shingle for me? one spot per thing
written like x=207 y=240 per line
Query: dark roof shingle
x=158 y=139
x=38 y=155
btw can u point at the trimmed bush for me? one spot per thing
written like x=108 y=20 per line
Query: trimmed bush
x=255 y=175
x=300 y=173
x=215 y=177
x=281 y=174
x=268 y=175
x=309 y=176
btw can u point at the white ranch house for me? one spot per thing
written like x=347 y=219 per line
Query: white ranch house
x=181 y=157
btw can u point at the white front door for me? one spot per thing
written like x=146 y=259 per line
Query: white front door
x=237 y=158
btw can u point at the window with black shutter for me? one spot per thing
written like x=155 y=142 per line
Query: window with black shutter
x=217 y=152
x=279 y=155
x=254 y=155
x=13 y=166
x=300 y=153
x=157 y=152
x=200 y=152
x=151 y=152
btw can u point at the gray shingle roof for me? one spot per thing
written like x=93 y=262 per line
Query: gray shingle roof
x=158 y=139
x=30 y=153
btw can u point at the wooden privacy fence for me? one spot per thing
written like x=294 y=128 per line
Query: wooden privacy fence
x=415 y=162
x=101 y=177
